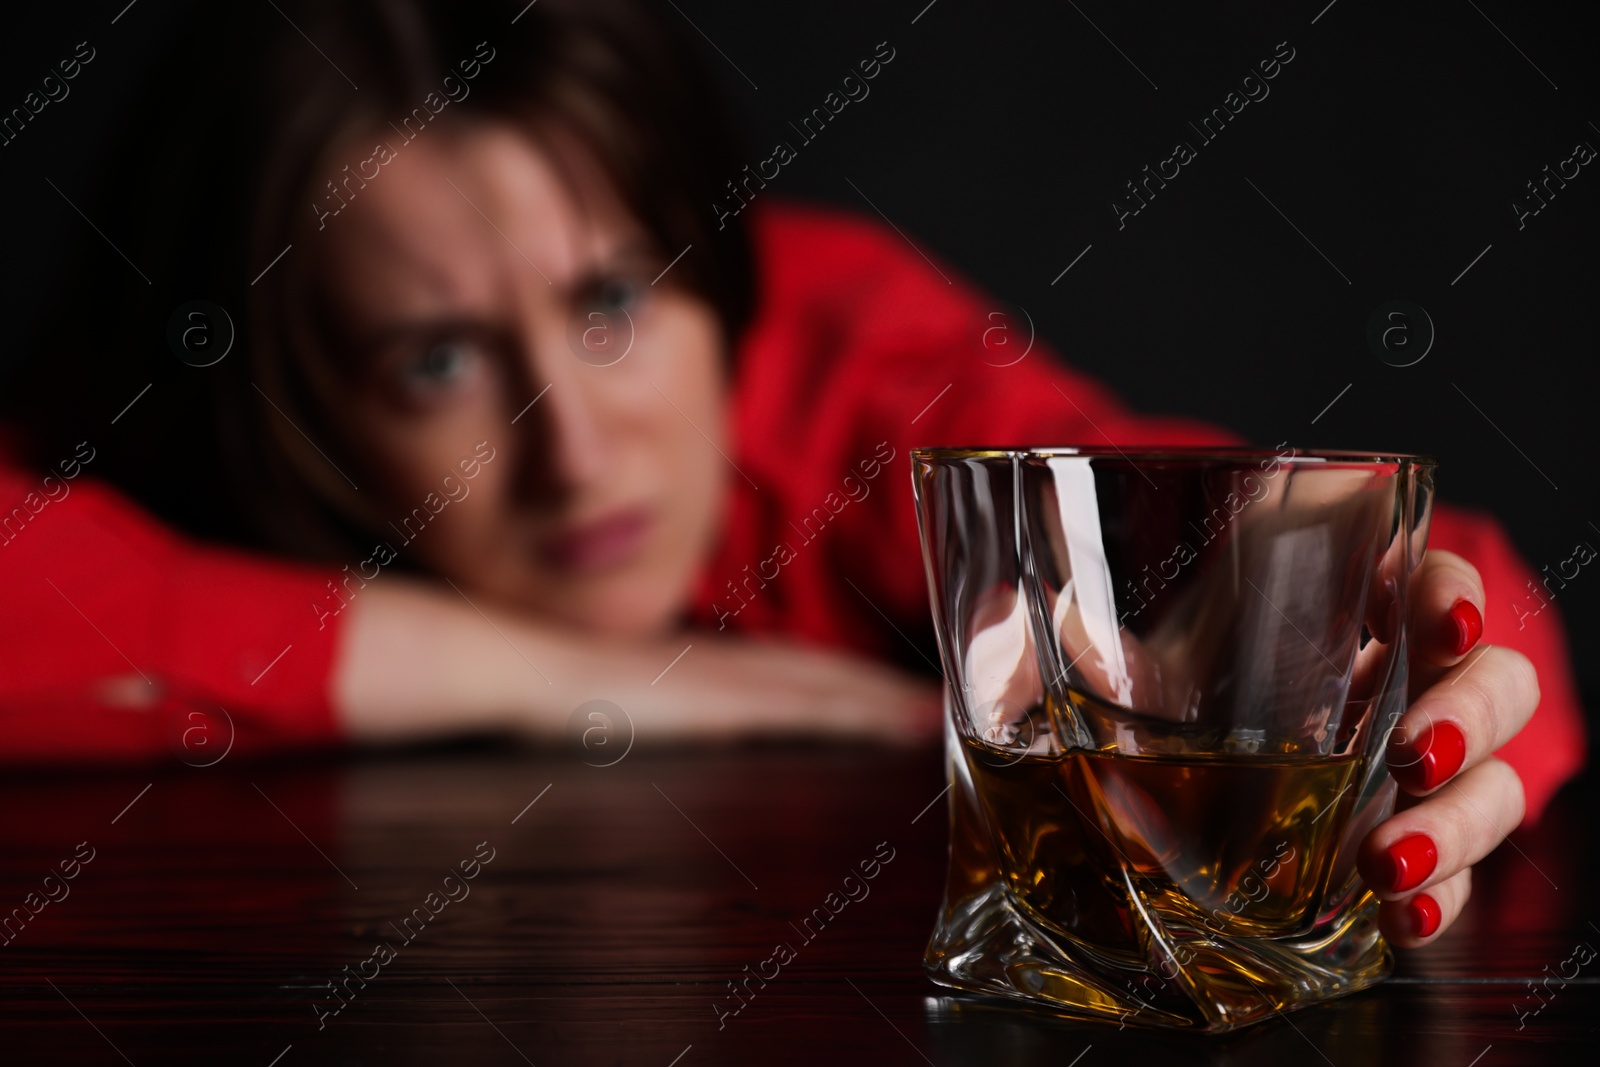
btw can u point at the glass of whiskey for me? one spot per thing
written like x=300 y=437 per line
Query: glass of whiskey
x=1170 y=678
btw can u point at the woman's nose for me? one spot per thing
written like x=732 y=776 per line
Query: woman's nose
x=565 y=444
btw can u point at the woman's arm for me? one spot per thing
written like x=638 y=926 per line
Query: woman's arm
x=421 y=661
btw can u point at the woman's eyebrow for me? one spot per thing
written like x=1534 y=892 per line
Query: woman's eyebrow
x=637 y=251
x=394 y=330
x=636 y=256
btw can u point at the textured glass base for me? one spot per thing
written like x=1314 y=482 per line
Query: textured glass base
x=1143 y=963
x=987 y=944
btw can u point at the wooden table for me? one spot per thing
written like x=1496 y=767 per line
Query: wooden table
x=618 y=905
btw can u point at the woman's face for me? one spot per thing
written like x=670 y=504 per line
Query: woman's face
x=542 y=417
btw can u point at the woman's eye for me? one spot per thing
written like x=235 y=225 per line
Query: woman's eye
x=443 y=363
x=616 y=294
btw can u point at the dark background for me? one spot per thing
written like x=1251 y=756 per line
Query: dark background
x=997 y=138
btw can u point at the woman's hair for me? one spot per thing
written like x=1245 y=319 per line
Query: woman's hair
x=223 y=168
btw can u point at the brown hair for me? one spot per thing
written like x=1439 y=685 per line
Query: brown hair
x=249 y=103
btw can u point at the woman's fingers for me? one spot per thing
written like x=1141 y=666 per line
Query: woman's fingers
x=734 y=688
x=1459 y=801
x=1421 y=917
x=1466 y=716
x=1439 y=837
x=1446 y=615
x=827 y=693
x=1112 y=662
x=1000 y=666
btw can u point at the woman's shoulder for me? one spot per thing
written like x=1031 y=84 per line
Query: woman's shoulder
x=785 y=223
x=841 y=274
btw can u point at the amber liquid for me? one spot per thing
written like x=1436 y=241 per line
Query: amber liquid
x=1228 y=844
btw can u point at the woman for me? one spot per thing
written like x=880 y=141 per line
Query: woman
x=515 y=419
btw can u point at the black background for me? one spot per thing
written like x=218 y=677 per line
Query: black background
x=997 y=138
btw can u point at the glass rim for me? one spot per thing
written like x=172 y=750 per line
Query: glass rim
x=1220 y=456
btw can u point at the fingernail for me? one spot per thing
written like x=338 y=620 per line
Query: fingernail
x=1438 y=754
x=1410 y=860
x=1424 y=914
x=1468 y=623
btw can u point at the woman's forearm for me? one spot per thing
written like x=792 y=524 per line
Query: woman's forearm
x=420 y=661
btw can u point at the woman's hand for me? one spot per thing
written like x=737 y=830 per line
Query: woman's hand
x=728 y=688
x=1457 y=801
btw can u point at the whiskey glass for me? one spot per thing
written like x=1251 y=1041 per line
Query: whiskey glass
x=1170 y=679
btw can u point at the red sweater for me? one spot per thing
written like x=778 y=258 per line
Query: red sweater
x=859 y=350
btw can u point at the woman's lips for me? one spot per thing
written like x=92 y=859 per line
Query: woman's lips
x=605 y=542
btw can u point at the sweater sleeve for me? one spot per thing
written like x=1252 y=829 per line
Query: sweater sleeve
x=125 y=641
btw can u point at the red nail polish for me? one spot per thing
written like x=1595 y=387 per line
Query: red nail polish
x=1424 y=914
x=1410 y=860
x=1435 y=758
x=1468 y=623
